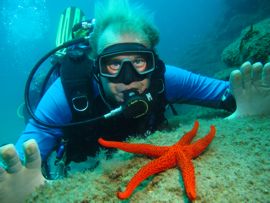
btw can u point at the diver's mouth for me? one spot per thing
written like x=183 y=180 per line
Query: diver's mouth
x=138 y=86
x=124 y=95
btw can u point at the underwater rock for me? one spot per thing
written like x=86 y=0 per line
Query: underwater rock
x=234 y=168
x=252 y=45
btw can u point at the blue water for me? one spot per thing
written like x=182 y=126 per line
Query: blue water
x=28 y=29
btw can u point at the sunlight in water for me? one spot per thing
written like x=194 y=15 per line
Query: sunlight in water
x=24 y=20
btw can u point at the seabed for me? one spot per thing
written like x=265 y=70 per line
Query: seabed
x=234 y=168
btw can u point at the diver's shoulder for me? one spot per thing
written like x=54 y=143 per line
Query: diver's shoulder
x=172 y=69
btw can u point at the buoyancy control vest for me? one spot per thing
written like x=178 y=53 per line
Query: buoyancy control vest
x=81 y=141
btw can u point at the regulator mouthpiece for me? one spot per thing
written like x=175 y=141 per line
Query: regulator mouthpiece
x=136 y=105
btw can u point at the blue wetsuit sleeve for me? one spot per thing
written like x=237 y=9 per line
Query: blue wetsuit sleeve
x=52 y=109
x=183 y=86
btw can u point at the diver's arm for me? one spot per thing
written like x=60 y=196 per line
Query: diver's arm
x=52 y=109
x=183 y=86
x=21 y=174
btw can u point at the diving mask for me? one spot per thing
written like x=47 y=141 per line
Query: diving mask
x=126 y=62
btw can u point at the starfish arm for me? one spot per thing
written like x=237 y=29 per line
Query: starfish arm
x=187 y=138
x=195 y=149
x=145 y=149
x=156 y=166
x=188 y=174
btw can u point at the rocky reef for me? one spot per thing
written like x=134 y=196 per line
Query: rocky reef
x=242 y=16
x=252 y=45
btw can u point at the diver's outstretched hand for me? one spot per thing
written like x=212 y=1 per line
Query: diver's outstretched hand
x=18 y=180
x=251 y=88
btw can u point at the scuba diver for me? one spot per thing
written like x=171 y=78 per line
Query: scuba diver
x=119 y=88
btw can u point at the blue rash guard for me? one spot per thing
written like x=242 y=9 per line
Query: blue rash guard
x=181 y=86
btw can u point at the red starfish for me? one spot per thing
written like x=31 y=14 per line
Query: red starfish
x=180 y=154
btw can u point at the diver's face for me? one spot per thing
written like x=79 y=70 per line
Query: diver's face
x=125 y=69
x=125 y=66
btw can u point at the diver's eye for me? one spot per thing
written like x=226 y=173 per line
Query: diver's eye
x=139 y=64
x=113 y=66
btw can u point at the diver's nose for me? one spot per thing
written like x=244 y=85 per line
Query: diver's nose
x=128 y=73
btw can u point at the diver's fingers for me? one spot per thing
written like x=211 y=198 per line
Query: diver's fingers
x=10 y=158
x=236 y=83
x=246 y=69
x=32 y=154
x=266 y=74
x=257 y=71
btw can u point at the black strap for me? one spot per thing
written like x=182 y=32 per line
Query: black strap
x=77 y=80
x=157 y=88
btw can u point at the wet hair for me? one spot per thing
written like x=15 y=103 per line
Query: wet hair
x=121 y=18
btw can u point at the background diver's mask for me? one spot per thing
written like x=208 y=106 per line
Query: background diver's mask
x=126 y=62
